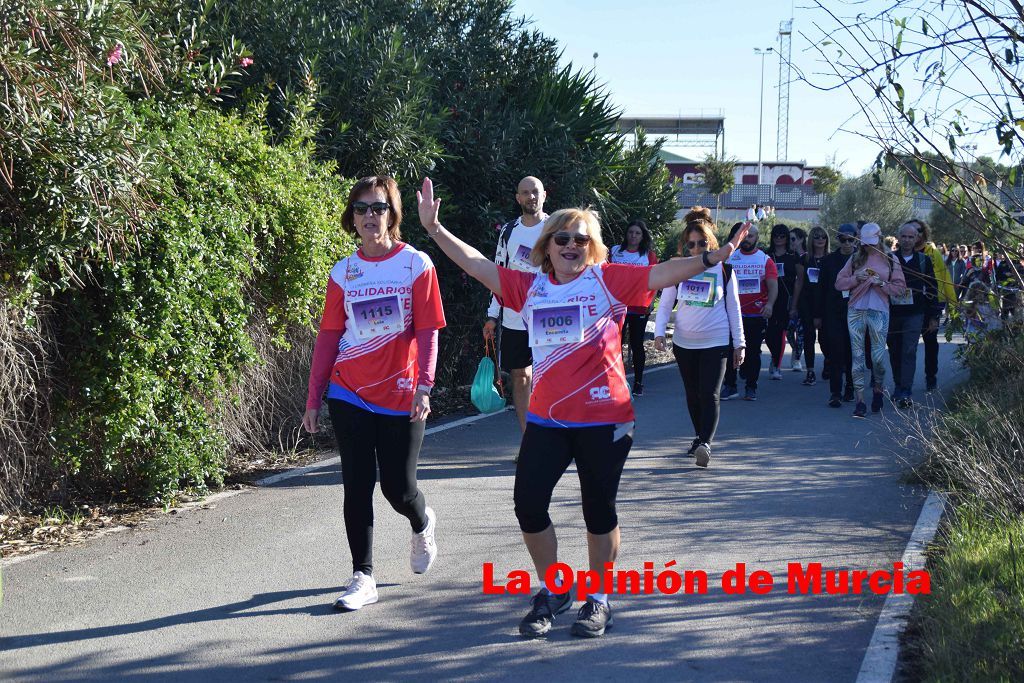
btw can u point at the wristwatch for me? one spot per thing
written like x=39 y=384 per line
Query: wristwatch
x=705 y=260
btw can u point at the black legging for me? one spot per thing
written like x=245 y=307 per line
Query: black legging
x=810 y=334
x=545 y=453
x=931 y=354
x=839 y=357
x=702 y=371
x=753 y=334
x=775 y=335
x=366 y=440
x=636 y=324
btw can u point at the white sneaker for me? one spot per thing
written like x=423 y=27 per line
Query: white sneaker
x=361 y=591
x=774 y=373
x=424 y=550
x=798 y=365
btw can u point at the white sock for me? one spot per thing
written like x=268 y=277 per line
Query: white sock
x=599 y=597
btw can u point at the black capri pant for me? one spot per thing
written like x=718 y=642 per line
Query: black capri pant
x=702 y=371
x=600 y=454
x=366 y=439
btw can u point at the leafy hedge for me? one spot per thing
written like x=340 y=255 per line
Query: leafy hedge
x=240 y=231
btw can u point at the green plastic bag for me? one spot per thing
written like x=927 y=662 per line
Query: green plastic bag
x=484 y=395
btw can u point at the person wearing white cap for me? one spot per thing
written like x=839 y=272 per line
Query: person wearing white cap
x=871 y=276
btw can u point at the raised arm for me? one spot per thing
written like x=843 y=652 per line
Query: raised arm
x=476 y=265
x=674 y=271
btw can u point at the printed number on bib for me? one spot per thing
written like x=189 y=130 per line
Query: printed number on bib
x=750 y=285
x=780 y=269
x=522 y=257
x=698 y=291
x=377 y=317
x=812 y=275
x=905 y=299
x=556 y=324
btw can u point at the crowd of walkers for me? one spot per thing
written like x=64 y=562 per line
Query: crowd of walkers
x=563 y=305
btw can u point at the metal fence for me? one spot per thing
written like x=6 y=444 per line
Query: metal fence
x=795 y=197
x=743 y=196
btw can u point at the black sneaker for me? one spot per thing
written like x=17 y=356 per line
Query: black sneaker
x=638 y=389
x=861 y=410
x=728 y=392
x=848 y=394
x=593 y=619
x=539 y=619
x=693 y=446
x=835 y=401
x=750 y=394
x=877 y=398
x=810 y=380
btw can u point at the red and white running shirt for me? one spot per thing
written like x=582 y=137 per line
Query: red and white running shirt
x=575 y=333
x=751 y=271
x=380 y=303
x=632 y=258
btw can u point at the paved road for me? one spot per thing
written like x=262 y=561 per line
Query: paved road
x=243 y=591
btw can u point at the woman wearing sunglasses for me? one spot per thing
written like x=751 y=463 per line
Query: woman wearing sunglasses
x=707 y=313
x=580 y=407
x=635 y=250
x=810 y=293
x=375 y=355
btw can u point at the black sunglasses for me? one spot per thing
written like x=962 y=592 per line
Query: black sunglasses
x=703 y=244
x=818 y=236
x=377 y=208
x=562 y=239
x=846 y=240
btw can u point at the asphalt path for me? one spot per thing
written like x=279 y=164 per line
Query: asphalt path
x=243 y=590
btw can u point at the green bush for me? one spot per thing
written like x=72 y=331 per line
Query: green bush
x=239 y=232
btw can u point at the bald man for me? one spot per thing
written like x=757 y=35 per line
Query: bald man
x=515 y=242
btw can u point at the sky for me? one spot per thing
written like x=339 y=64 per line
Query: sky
x=672 y=57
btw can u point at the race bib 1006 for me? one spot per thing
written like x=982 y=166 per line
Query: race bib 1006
x=377 y=317
x=556 y=324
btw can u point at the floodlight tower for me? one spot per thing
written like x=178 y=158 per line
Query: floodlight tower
x=785 y=51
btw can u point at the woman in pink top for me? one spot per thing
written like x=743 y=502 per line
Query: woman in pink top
x=869 y=278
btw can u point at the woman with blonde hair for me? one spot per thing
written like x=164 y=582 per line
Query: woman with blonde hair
x=871 y=276
x=707 y=315
x=580 y=406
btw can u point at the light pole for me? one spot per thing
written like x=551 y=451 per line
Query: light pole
x=760 y=118
x=595 y=63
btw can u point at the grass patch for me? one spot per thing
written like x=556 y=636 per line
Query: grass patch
x=971 y=628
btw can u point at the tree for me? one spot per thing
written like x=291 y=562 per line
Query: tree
x=719 y=177
x=827 y=180
x=863 y=198
x=933 y=80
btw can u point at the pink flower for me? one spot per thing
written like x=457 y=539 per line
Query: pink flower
x=245 y=61
x=115 y=55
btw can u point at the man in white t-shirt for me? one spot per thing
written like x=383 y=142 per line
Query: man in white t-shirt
x=515 y=242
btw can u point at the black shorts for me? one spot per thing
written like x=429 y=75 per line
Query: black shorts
x=515 y=350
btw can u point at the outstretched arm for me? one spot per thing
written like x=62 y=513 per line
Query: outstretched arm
x=476 y=265
x=674 y=271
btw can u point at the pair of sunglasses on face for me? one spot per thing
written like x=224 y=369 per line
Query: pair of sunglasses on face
x=847 y=240
x=562 y=239
x=703 y=244
x=376 y=208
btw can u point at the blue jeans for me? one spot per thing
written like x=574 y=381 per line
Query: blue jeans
x=904 y=333
x=876 y=324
